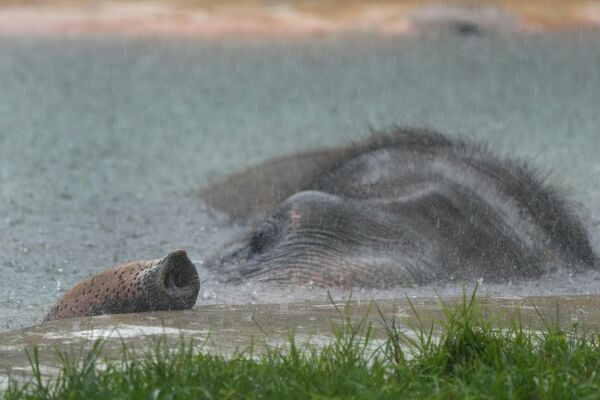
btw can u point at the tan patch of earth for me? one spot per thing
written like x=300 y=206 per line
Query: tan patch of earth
x=210 y=18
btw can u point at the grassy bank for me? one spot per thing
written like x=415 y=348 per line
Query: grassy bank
x=463 y=357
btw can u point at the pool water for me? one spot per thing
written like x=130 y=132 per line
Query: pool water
x=105 y=143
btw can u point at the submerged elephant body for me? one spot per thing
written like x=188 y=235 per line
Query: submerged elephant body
x=407 y=207
x=401 y=208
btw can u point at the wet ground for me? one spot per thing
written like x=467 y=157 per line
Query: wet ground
x=105 y=143
x=227 y=329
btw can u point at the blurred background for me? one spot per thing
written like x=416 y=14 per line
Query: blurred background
x=114 y=114
x=287 y=17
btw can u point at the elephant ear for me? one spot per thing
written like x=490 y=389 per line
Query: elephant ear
x=253 y=193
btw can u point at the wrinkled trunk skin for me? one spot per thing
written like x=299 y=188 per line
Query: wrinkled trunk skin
x=170 y=283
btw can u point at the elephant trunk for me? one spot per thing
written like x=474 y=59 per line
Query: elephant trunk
x=170 y=283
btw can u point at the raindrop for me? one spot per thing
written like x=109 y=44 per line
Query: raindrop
x=9 y=324
x=209 y=295
x=14 y=222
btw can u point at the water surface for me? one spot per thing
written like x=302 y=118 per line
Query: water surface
x=105 y=143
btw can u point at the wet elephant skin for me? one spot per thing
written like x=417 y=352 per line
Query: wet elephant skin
x=404 y=207
x=170 y=283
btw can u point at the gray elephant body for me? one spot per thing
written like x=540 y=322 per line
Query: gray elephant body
x=401 y=208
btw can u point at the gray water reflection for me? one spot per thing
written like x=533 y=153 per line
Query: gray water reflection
x=103 y=143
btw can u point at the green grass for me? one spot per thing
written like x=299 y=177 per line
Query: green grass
x=462 y=357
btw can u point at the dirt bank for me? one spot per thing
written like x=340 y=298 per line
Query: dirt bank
x=210 y=18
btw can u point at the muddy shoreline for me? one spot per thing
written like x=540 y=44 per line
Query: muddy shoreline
x=227 y=329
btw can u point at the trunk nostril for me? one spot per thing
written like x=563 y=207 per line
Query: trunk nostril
x=179 y=272
x=177 y=279
x=170 y=280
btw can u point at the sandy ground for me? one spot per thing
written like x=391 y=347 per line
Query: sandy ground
x=200 y=18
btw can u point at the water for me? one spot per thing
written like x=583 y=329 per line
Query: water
x=105 y=143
